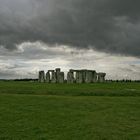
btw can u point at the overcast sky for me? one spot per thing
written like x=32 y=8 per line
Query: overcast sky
x=81 y=34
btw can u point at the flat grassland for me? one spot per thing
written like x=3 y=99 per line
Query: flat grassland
x=39 y=111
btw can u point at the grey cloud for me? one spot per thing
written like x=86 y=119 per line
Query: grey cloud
x=107 y=25
x=29 y=58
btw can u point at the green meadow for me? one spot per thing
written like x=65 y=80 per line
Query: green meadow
x=40 y=111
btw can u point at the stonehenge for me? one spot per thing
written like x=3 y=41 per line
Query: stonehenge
x=73 y=76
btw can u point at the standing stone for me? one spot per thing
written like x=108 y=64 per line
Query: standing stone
x=41 y=77
x=57 y=70
x=70 y=77
x=101 y=77
x=84 y=75
x=60 y=77
x=94 y=77
x=79 y=76
x=48 y=77
x=57 y=74
x=89 y=76
x=53 y=80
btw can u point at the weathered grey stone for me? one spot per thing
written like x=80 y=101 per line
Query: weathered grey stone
x=53 y=80
x=57 y=70
x=94 y=77
x=70 y=77
x=60 y=77
x=84 y=71
x=79 y=76
x=48 y=77
x=50 y=70
x=57 y=74
x=88 y=76
x=41 y=77
x=71 y=70
x=101 y=77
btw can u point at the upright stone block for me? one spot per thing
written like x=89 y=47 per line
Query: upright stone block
x=101 y=77
x=48 y=77
x=60 y=77
x=84 y=71
x=57 y=74
x=70 y=77
x=41 y=77
x=58 y=70
x=94 y=77
x=53 y=80
x=89 y=76
x=79 y=77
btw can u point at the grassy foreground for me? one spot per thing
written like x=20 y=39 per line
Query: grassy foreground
x=33 y=111
x=98 y=89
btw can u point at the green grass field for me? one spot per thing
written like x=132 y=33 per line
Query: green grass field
x=98 y=89
x=35 y=111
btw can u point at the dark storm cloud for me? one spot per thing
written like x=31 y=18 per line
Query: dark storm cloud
x=107 y=25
